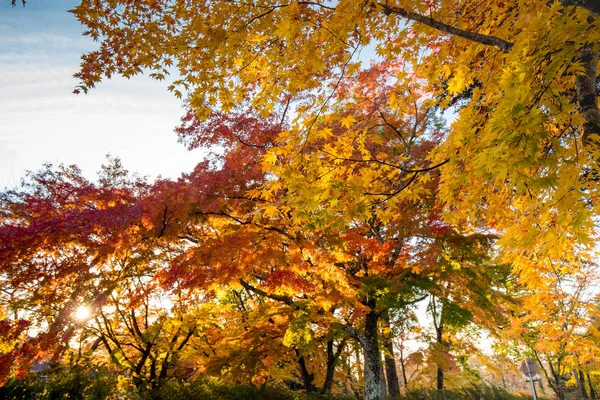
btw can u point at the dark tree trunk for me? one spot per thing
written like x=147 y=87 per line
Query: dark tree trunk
x=137 y=380
x=593 y=394
x=587 y=97
x=580 y=379
x=556 y=382
x=307 y=378
x=440 y=378
x=153 y=372
x=164 y=368
x=403 y=366
x=440 y=370
x=391 y=373
x=332 y=359
x=591 y=5
x=438 y=324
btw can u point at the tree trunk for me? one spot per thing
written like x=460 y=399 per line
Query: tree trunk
x=403 y=366
x=330 y=368
x=391 y=373
x=593 y=394
x=370 y=346
x=590 y=5
x=350 y=380
x=332 y=358
x=307 y=377
x=440 y=370
x=587 y=98
x=383 y=381
x=556 y=382
x=371 y=358
x=580 y=379
x=440 y=378
x=438 y=324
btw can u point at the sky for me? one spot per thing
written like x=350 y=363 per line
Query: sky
x=42 y=121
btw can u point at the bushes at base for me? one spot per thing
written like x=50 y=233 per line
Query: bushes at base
x=62 y=383
x=481 y=392
x=83 y=384
x=213 y=389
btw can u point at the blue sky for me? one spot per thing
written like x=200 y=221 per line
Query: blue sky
x=41 y=120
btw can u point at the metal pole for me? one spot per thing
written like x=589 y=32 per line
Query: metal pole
x=531 y=380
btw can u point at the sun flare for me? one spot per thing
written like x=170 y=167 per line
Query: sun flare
x=82 y=313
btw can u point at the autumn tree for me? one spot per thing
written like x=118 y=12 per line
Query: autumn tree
x=354 y=208
x=59 y=233
x=69 y=243
x=119 y=243
x=337 y=253
x=365 y=185
x=106 y=245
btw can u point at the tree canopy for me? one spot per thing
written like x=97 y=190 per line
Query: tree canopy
x=521 y=78
x=335 y=199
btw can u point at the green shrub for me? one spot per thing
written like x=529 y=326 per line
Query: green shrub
x=61 y=383
x=28 y=388
x=213 y=389
x=481 y=392
x=98 y=384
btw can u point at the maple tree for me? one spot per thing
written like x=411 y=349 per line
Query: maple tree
x=386 y=251
x=53 y=253
x=170 y=238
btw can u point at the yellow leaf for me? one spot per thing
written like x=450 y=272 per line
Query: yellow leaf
x=283 y=28
x=271 y=211
x=348 y=121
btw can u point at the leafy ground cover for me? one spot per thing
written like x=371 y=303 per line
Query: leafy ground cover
x=100 y=384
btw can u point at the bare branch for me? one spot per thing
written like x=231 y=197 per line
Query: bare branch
x=284 y=299
x=441 y=26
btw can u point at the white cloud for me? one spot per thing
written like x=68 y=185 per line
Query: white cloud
x=41 y=120
x=39 y=38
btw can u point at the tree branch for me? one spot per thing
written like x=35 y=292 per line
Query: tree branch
x=354 y=333
x=284 y=299
x=443 y=27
